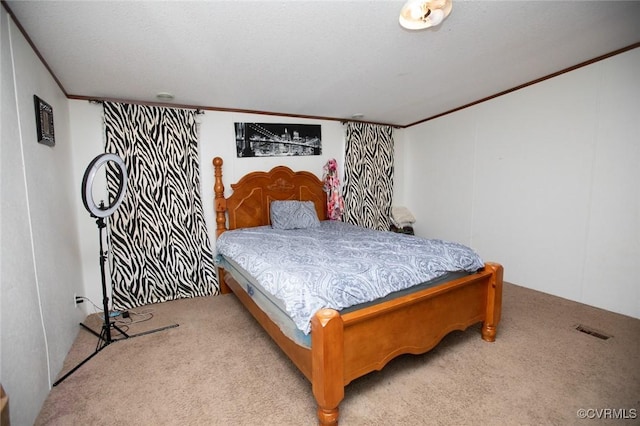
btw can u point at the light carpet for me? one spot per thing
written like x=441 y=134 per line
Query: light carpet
x=220 y=368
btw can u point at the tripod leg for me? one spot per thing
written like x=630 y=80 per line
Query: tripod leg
x=102 y=343
x=90 y=330
x=73 y=370
x=144 y=333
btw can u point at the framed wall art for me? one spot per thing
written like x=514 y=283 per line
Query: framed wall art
x=273 y=140
x=44 y=122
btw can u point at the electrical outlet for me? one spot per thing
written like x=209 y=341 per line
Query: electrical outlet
x=77 y=300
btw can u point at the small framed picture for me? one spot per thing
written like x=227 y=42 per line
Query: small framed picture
x=44 y=122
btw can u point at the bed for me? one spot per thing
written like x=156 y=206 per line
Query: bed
x=346 y=344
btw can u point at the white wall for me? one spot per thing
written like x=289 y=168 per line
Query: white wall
x=216 y=138
x=39 y=243
x=545 y=180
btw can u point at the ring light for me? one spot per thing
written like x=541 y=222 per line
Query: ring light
x=101 y=212
x=87 y=185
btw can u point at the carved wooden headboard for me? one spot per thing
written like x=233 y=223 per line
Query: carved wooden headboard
x=249 y=205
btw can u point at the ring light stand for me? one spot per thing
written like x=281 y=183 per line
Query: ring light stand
x=101 y=211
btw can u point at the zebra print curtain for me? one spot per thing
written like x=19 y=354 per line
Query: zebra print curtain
x=368 y=183
x=159 y=243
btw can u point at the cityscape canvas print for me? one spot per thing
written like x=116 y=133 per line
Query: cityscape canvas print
x=272 y=140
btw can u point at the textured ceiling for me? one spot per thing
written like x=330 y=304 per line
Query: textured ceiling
x=329 y=59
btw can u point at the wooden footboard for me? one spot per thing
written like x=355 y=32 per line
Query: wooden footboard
x=349 y=346
x=345 y=347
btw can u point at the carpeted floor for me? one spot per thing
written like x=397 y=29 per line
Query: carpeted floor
x=218 y=367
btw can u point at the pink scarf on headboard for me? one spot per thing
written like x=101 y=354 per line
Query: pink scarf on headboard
x=335 y=203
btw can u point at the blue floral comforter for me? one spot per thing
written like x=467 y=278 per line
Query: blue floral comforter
x=337 y=265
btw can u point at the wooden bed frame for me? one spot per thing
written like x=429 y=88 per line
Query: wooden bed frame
x=345 y=347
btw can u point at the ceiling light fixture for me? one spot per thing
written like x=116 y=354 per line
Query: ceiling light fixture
x=164 y=96
x=421 y=14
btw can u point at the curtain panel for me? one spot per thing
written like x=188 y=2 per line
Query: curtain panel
x=368 y=182
x=160 y=249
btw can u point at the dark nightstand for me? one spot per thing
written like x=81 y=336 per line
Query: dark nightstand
x=404 y=230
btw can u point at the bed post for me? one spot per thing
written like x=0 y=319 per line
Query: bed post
x=327 y=364
x=219 y=202
x=220 y=206
x=494 y=303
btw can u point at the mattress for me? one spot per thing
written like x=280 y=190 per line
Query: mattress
x=337 y=265
x=275 y=310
